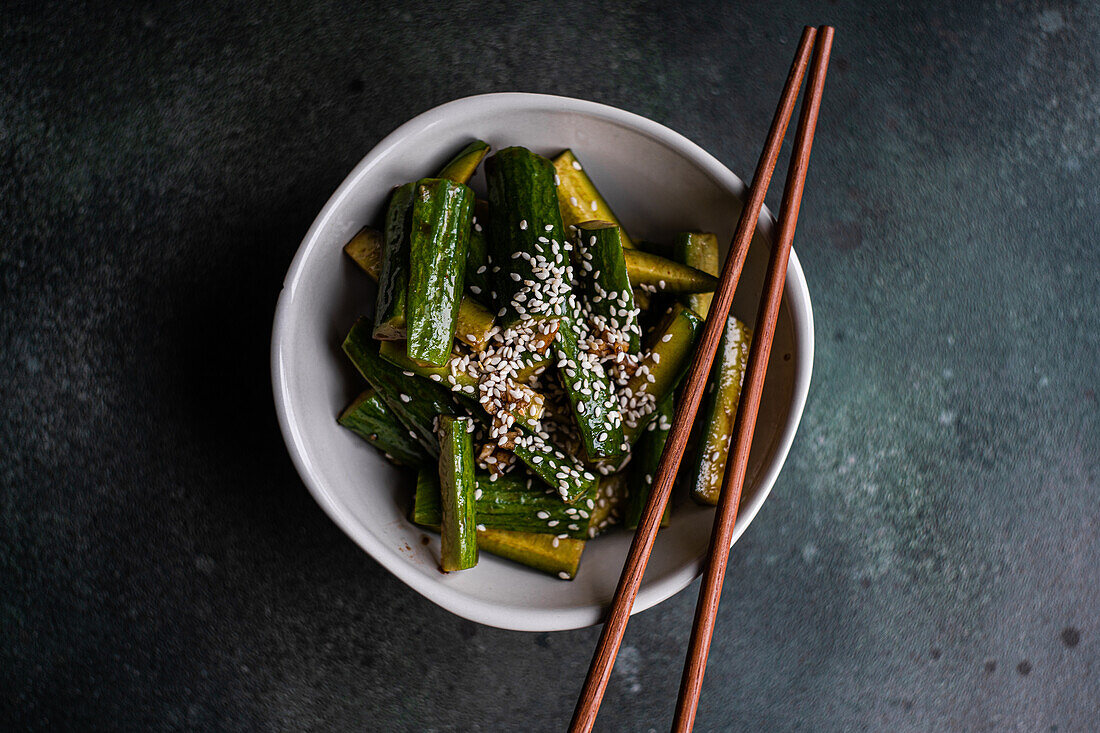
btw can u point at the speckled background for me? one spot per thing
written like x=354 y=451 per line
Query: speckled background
x=929 y=559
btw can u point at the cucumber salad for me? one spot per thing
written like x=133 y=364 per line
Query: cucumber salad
x=524 y=355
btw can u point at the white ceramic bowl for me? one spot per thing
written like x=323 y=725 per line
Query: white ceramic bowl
x=659 y=183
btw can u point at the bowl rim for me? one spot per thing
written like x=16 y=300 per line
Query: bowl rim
x=487 y=612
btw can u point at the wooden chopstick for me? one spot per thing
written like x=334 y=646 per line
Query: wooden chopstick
x=738 y=456
x=588 y=705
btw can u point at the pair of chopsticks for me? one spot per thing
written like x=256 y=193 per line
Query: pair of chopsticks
x=819 y=43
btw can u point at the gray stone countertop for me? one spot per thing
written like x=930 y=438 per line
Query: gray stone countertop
x=928 y=560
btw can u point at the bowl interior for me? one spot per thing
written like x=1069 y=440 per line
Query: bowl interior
x=657 y=189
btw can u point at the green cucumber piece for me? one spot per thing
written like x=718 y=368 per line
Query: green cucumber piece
x=474 y=321
x=393 y=277
x=529 y=262
x=610 y=499
x=606 y=286
x=439 y=235
x=365 y=249
x=368 y=417
x=478 y=281
x=415 y=402
x=461 y=381
x=578 y=198
x=462 y=166
x=667 y=361
x=458 y=523
x=591 y=395
x=546 y=552
x=511 y=503
x=698 y=250
x=719 y=411
x=555 y=467
x=643 y=468
x=665 y=275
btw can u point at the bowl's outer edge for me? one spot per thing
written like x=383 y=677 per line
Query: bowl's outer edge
x=526 y=619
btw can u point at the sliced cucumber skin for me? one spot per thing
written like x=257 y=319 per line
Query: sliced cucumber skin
x=601 y=249
x=545 y=552
x=439 y=236
x=610 y=498
x=426 y=400
x=577 y=193
x=474 y=322
x=601 y=434
x=365 y=249
x=718 y=411
x=666 y=275
x=458 y=520
x=478 y=279
x=683 y=326
x=522 y=204
x=368 y=417
x=461 y=168
x=393 y=278
x=509 y=503
x=698 y=250
x=464 y=384
x=559 y=557
x=643 y=469
x=546 y=461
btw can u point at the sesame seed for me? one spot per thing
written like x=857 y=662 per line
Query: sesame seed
x=549 y=227
x=577 y=164
x=523 y=224
x=564 y=575
x=593 y=205
x=405 y=398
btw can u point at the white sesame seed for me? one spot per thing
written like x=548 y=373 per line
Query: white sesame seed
x=523 y=224
x=577 y=164
x=593 y=205
x=563 y=575
x=549 y=227
x=405 y=398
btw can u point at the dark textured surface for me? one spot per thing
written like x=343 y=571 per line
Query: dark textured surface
x=929 y=559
